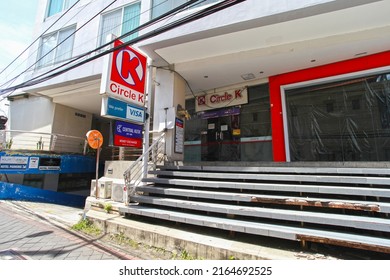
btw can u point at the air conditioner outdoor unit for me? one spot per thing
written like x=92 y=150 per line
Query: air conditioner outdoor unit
x=104 y=190
x=118 y=193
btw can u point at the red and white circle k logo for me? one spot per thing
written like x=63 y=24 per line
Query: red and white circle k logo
x=129 y=68
x=201 y=100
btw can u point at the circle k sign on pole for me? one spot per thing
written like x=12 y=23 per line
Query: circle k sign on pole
x=124 y=75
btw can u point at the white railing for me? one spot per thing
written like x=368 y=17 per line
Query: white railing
x=149 y=160
x=41 y=141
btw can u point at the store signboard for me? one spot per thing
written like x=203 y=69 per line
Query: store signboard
x=117 y=109
x=124 y=75
x=221 y=100
x=128 y=129
x=127 y=134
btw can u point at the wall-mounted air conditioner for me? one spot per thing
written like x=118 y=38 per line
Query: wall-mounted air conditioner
x=118 y=193
x=105 y=187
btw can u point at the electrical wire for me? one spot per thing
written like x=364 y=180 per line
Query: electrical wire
x=174 y=11
x=41 y=58
x=64 y=24
x=195 y=16
x=157 y=19
x=43 y=33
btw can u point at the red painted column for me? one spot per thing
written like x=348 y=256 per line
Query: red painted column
x=334 y=69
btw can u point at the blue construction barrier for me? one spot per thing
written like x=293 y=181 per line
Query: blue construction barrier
x=9 y=191
x=24 y=163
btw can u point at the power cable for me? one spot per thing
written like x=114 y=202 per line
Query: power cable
x=40 y=59
x=43 y=33
x=64 y=24
x=9 y=82
x=197 y=15
x=157 y=19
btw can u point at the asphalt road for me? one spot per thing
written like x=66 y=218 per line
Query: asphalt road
x=32 y=236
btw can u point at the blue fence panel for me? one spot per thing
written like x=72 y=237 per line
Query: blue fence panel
x=10 y=191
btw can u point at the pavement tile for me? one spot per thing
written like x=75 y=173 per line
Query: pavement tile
x=43 y=238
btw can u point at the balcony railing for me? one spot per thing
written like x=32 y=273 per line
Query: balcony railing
x=41 y=141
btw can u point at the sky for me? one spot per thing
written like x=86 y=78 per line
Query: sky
x=17 y=20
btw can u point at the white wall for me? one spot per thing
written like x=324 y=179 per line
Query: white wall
x=31 y=114
x=40 y=115
x=69 y=121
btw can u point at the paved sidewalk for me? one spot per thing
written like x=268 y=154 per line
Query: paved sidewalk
x=40 y=231
x=61 y=214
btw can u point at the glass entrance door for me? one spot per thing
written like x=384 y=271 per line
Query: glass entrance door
x=220 y=144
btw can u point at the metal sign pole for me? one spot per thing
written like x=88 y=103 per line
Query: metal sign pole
x=97 y=167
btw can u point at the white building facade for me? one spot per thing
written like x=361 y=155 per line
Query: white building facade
x=300 y=80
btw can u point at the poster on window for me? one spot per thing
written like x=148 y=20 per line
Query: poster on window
x=179 y=136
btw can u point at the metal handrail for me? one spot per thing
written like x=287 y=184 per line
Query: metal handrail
x=136 y=171
x=41 y=141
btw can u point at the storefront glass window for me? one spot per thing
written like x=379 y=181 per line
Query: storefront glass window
x=341 y=121
x=242 y=135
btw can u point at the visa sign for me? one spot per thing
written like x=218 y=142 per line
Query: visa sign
x=113 y=108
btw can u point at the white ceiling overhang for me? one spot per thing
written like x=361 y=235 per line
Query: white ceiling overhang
x=217 y=57
x=281 y=46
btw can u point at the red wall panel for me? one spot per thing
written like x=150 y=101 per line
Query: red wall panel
x=324 y=71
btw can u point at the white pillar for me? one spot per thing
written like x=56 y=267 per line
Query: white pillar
x=169 y=93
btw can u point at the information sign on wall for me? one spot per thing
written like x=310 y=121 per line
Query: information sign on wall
x=13 y=162
x=179 y=136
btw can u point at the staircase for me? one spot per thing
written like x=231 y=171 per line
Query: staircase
x=341 y=206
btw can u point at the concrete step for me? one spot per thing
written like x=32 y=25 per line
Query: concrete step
x=328 y=179
x=259 y=199
x=275 y=187
x=200 y=245
x=367 y=171
x=275 y=215
x=265 y=229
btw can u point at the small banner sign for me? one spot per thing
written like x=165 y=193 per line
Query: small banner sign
x=127 y=134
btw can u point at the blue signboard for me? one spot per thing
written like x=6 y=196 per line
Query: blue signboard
x=219 y=113
x=128 y=129
x=127 y=135
x=120 y=109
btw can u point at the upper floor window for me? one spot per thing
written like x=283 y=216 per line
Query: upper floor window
x=56 y=47
x=120 y=22
x=162 y=6
x=57 y=6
